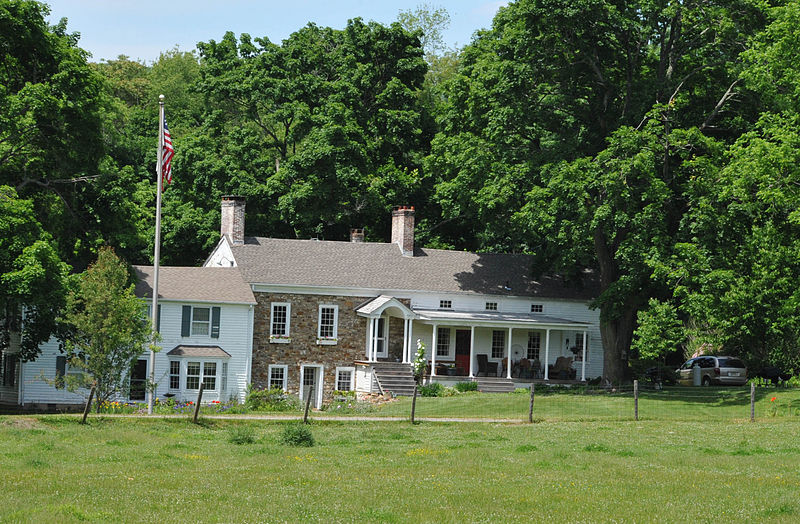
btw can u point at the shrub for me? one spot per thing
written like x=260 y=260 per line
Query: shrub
x=274 y=399
x=431 y=390
x=297 y=435
x=241 y=435
x=463 y=387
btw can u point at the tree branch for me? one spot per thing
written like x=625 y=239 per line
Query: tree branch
x=727 y=96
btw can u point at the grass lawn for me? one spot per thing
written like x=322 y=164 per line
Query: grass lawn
x=140 y=469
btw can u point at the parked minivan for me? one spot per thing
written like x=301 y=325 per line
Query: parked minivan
x=726 y=371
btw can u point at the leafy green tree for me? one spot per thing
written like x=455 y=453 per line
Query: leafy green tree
x=109 y=328
x=33 y=279
x=659 y=332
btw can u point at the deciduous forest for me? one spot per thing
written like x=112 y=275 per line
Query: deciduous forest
x=653 y=145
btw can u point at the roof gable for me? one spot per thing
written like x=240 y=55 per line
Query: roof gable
x=204 y=284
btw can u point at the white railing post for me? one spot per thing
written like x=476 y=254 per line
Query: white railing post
x=508 y=373
x=583 y=359
x=433 y=350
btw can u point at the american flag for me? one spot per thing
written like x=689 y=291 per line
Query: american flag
x=168 y=153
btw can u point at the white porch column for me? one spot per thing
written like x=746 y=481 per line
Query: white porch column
x=410 y=338
x=508 y=373
x=583 y=360
x=374 y=340
x=472 y=351
x=368 y=349
x=433 y=350
x=403 y=355
x=547 y=355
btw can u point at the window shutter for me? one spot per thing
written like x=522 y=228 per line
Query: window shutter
x=158 y=319
x=186 y=321
x=215 y=322
x=61 y=370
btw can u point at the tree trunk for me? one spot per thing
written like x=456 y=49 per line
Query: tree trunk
x=617 y=335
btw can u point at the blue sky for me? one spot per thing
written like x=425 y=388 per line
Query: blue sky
x=142 y=29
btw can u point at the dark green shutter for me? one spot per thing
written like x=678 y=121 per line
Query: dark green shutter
x=186 y=321
x=158 y=319
x=215 y=322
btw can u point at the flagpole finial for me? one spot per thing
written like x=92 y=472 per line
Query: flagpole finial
x=161 y=98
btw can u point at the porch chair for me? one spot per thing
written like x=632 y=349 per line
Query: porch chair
x=486 y=367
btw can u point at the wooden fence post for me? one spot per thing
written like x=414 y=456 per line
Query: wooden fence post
x=199 y=400
x=308 y=402
x=752 y=402
x=414 y=405
x=89 y=402
x=530 y=408
x=636 y=400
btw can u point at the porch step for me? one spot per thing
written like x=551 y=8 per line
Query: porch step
x=395 y=377
x=495 y=385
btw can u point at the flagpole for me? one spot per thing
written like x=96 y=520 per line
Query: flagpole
x=156 y=255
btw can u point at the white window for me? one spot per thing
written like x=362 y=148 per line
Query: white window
x=491 y=306
x=344 y=379
x=445 y=304
x=327 y=324
x=202 y=371
x=534 y=345
x=579 y=347
x=537 y=308
x=279 y=322
x=277 y=376
x=174 y=374
x=443 y=342
x=201 y=321
x=498 y=344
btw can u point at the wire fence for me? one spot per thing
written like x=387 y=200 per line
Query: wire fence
x=586 y=403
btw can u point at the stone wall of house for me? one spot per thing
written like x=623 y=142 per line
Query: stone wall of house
x=303 y=348
x=395 y=346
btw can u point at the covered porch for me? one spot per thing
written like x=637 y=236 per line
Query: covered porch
x=524 y=347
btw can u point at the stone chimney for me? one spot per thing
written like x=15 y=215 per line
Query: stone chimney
x=232 y=223
x=356 y=235
x=403 y=229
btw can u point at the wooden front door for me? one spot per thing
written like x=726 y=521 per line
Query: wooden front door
x=463 y=337
x=138 y=380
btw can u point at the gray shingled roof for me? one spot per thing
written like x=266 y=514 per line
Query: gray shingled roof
x=207 y=284
x=380 y=266
x=197 y=351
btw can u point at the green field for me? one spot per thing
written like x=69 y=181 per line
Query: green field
x=137 y=469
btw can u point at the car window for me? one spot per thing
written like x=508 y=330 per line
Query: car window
x=688 y=364
x=731 y=363
x=706 y=362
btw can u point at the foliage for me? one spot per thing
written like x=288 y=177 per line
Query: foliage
x=434 y=389
x=659 y=331
x=428 y=22
x=274 y=399
x=420 y=362
x=109 y=331
x=463 y=387
x=241 y=435
x=298 y=435
x=33 y=279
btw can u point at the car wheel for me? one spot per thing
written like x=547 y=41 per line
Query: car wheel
x=706 y=381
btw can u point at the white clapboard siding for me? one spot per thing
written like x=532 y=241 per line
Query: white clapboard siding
x=235 y=338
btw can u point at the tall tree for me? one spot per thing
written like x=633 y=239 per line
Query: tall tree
x=109 y=327
x=579 y=125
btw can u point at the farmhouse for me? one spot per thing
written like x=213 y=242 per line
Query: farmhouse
x=322 y=316
x=347 y=315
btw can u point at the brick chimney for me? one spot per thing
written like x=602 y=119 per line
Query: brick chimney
x=403 y=229
x=232 y=223
x=356 y=235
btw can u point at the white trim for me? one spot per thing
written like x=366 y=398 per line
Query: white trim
x=318 y=387
x=352 y=371
x=284 y=338
x=285 y=375
x=450 y=350
x=330 y=340
x=263 y=287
